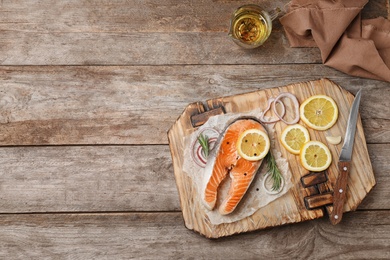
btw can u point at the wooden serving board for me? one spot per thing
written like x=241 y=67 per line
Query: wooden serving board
x=290 y=208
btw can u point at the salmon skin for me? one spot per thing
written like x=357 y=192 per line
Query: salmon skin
x=223 y=160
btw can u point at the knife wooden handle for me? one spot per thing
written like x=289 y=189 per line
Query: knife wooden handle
x=339 y=192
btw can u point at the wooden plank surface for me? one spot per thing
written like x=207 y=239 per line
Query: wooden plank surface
x=87 y=178
x=63 y=179
x=137 y=32
x=163 y=236
x=118 y=105
x=85 y=166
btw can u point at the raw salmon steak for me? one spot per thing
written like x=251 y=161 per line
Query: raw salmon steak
x=224 y=160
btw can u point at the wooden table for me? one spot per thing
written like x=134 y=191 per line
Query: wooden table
x=88 y=91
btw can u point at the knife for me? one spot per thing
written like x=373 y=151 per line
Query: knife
x=344 y=164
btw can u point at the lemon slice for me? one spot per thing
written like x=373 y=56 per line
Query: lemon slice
x=315 y=156
x=253 y=144
x=293 y=137
x=319 y=112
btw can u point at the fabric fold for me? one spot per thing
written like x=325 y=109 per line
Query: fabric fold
x=347 y=43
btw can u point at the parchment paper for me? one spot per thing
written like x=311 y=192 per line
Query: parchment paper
x=256 y=196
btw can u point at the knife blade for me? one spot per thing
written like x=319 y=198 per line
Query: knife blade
x=344 y=163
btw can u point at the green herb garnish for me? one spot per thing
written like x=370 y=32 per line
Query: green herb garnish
x=204 y=142
x=276 y=175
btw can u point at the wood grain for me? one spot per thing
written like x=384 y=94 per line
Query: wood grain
x=290 y=207
x=121 y=33
x=106 y=178
x=152 y=59
x=64 y=179
x=339 y=191
x=117 y=105
x=124 y=33
x=163 y=236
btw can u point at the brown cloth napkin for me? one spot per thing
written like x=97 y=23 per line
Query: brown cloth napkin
x=347 y=43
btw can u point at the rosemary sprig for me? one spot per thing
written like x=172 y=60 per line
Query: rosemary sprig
x=275 y=173
x=204 y=142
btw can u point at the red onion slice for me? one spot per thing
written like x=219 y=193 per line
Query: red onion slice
x=197 y=153
x=270 y=102
x=296 y=107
